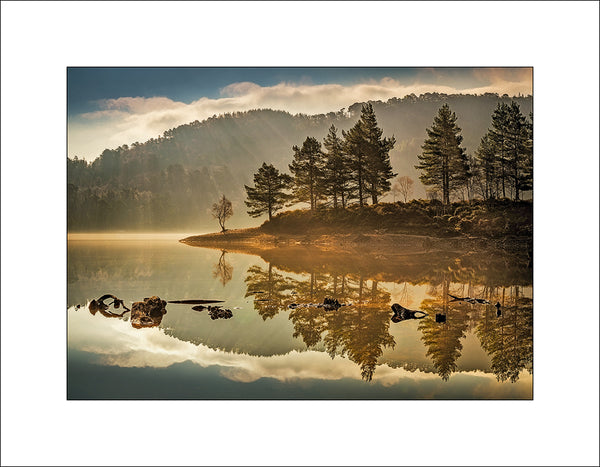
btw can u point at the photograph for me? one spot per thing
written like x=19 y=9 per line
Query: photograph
x=300 y=233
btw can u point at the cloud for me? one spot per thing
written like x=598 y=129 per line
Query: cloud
x=116 y=342
x=129 y=119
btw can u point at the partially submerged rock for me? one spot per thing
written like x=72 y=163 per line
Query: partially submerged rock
x=148 y=313
x=98 y=305
x=401 y=313
x=215 y=312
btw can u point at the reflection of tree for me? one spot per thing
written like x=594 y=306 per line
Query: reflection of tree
x=273 y=287
x=404 y=296
x=508 y=339
x=310 y=322
x=364 y=332
x=359 y=331
x=443 y=340
x=223 y=270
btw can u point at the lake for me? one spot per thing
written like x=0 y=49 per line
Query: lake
x=280 y=342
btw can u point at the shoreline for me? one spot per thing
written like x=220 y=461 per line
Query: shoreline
x=383 y=244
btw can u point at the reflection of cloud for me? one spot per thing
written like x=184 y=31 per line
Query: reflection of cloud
x=129 y=119
x=115 y=342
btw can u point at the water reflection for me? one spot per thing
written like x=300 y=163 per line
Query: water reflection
x=361 y=331
x=223 y=270
x=145 y=314
x=270 y=289
x=365 y=337
x=508 y=338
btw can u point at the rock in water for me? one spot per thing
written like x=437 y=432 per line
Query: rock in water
x=401 y=313
x=331 y=303
x=219 y=313
x=148 y=313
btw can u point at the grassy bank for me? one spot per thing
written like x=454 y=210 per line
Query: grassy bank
x=487 y=219
x=404 y=228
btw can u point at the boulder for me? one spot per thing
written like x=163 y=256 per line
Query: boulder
x=148 y=313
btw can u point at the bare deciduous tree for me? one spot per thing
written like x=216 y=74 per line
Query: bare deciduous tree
x=222 y=210
x=404 y=186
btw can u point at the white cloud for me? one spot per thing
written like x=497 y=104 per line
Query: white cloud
x=129 y=119
x=116 y=342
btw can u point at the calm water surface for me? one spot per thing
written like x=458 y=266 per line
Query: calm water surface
x=268 y=350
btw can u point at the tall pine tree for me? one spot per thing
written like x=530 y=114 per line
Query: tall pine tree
x=499 y=137
x=355 y=145
x=519 y=151
x=337 y=173
x=369 y=158
x=379 y=169
x=506 y=152
x=444 y=161
x=487 y=163
x=268 y=194
x=308 y=169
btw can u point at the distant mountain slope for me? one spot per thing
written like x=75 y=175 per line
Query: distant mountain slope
x=170 y=182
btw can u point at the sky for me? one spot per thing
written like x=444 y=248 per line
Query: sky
x=108 y=107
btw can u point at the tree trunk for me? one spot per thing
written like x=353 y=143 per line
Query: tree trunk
x=360 y=194
x=516 y=181
x=373 y=193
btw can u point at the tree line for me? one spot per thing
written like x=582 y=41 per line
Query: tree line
x=355 y=167
x=501 y=167
x=171 y=198
x=341 y=170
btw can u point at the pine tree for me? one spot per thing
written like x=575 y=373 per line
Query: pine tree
x=519 y=150
x=268 y=195
x=308 y=171
x=355 y=145
x=443 y=161
x=499 y=137
x=506 y=152
x=369 y=158
x=337 y=173
x=486 y=158
x=379 y=169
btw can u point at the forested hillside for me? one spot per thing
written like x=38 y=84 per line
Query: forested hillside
x=171 y=182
